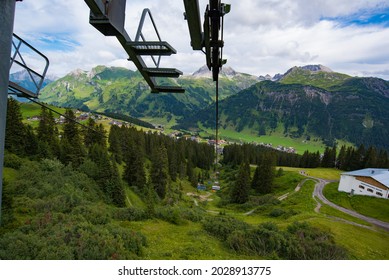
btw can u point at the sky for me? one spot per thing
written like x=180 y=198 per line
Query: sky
x=261 y=36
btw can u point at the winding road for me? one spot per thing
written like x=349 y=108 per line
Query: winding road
x=318 y=193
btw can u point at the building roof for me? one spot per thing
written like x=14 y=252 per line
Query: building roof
x=380 y=175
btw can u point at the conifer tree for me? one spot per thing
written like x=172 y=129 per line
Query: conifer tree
x=264 y=174
x=72 y=150
x=114 y=140
x=241 y=189
x=94 y=134
x=107 y=175
x=15 y=132
x=134 y=172
x=115 y=187
x=31 y=143
x=341 y=159
x=160 y=172
x=370 y=159
x=47 y=134
x=329 y=157
x=173 y=163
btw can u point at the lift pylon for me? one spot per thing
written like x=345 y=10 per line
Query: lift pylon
x=209 y=39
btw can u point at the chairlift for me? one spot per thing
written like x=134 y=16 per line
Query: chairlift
x=210 y=41
x=109 y=16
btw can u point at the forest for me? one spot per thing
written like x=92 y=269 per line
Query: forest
x=68 y=193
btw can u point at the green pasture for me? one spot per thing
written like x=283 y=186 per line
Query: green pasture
x=323 y=173
x=374 y=207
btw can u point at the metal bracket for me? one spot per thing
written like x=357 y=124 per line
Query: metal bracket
x=18 y=62
x=210 y=40
x=108 y=17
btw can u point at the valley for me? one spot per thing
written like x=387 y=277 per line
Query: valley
x=125 y=181
x=306 y=108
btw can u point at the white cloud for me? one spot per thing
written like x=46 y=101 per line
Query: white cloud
x=263 y=36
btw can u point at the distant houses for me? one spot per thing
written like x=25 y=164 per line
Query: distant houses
x=369 y=181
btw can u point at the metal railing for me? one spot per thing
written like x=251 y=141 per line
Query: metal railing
x=32 y=62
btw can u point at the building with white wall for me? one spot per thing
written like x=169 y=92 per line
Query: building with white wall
x=369 y=181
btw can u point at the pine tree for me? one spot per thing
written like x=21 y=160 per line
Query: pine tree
x=173 y=163
x=263 y=181
x=31 y=144
x=114 y=141
x=72 y=150
x=134 y=172
x=15 y=132
x=47 y=134
x=107 y=175
x=370 y=159
x=241 y=189
x=94 y=134
x=341 y=159
x=115 y=187
x=159 y=171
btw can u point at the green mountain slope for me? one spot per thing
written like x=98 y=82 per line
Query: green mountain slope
x=310 y=101
x=123 y=91
x=355 y=111
x=314 y=75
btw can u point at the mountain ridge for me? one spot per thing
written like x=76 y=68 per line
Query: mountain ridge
x=305 y=101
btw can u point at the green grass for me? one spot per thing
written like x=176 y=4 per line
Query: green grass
x=287 y=183
x=361 y=243
x=275 y=139
x=377 y=208
x=132 y=199
x=181 y=242
x=327 y=210
x=323 y=173
x=32 y=109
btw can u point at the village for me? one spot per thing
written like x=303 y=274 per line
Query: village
x=84 y=116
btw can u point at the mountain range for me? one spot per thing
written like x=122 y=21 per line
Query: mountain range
x=124 y=91
x=23 y=79
x=305 y=101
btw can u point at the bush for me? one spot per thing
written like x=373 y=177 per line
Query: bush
x=131 y=214
x=277 y=212
x=95 y=214
x=193 y=214
x=12 y=161
x=310 y=243
x=51 y=165
x=264 y=240
x=171 y=214
x=222 y=226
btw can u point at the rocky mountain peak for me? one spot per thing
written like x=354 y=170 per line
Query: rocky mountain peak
x=204 y=72
x=77 y=73
x=316 y=68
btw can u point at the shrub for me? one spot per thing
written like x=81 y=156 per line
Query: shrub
x=222 y=226
x=193 y=214
x=131 y=214
x=277 y=212
x=12 y=161
x=51 y=165
x=311 y=243
x=95 y=214
x=171 y=214
x=263 y=240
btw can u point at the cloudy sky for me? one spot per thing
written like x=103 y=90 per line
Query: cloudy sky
x=261 y=36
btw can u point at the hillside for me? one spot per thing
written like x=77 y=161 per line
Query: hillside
x=313 y=75
x=123 y=91
x=135 y=197
x=309 y=102
x=354 y=111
